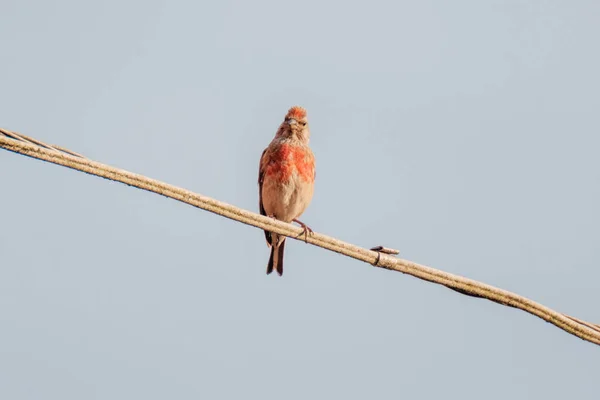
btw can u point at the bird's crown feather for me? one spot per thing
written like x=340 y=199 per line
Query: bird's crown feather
x=296 y=112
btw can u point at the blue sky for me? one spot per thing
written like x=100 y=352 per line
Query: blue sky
x=462 y=133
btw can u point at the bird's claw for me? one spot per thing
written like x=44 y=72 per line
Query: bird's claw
x=306 y=230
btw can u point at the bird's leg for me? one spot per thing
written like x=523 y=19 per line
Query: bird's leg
x=307 y=230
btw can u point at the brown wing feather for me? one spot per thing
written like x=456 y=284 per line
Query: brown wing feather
x=261 y=176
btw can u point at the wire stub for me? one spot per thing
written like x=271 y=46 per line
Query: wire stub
x=384 y=250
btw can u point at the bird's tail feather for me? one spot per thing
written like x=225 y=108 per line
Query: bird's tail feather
x=276 y=259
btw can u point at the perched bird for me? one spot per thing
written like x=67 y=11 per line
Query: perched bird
x=286 y=179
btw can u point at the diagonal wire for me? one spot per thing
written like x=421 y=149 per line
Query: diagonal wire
x=25 y=145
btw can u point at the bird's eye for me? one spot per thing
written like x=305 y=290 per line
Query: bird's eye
x=303 y=123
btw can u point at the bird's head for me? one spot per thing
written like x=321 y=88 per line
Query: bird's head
x=295 y=125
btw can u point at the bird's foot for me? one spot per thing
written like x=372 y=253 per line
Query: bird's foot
x=306 y=230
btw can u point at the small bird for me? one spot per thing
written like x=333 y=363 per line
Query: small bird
x=286 y=180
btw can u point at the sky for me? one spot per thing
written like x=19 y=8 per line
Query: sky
x=462 y=133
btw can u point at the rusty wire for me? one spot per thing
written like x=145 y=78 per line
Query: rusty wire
x=28 y=146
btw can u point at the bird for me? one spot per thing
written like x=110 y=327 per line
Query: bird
x=286 y=180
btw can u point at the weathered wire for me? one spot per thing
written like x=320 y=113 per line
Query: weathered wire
x=22 y=144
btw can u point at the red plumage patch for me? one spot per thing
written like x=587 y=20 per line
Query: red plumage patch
x=296 y=112
x=288 y=159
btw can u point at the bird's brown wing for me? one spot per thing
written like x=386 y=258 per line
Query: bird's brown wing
x=261 y=176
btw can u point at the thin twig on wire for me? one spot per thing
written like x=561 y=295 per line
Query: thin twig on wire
x=33 y=148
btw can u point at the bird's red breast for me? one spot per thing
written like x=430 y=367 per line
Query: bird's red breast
x=287 y=159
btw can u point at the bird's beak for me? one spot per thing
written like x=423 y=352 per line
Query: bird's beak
x=292 y=121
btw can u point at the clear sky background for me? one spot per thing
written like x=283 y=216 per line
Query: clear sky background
x=463 y=133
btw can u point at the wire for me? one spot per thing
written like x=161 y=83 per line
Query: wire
x=25 y=145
